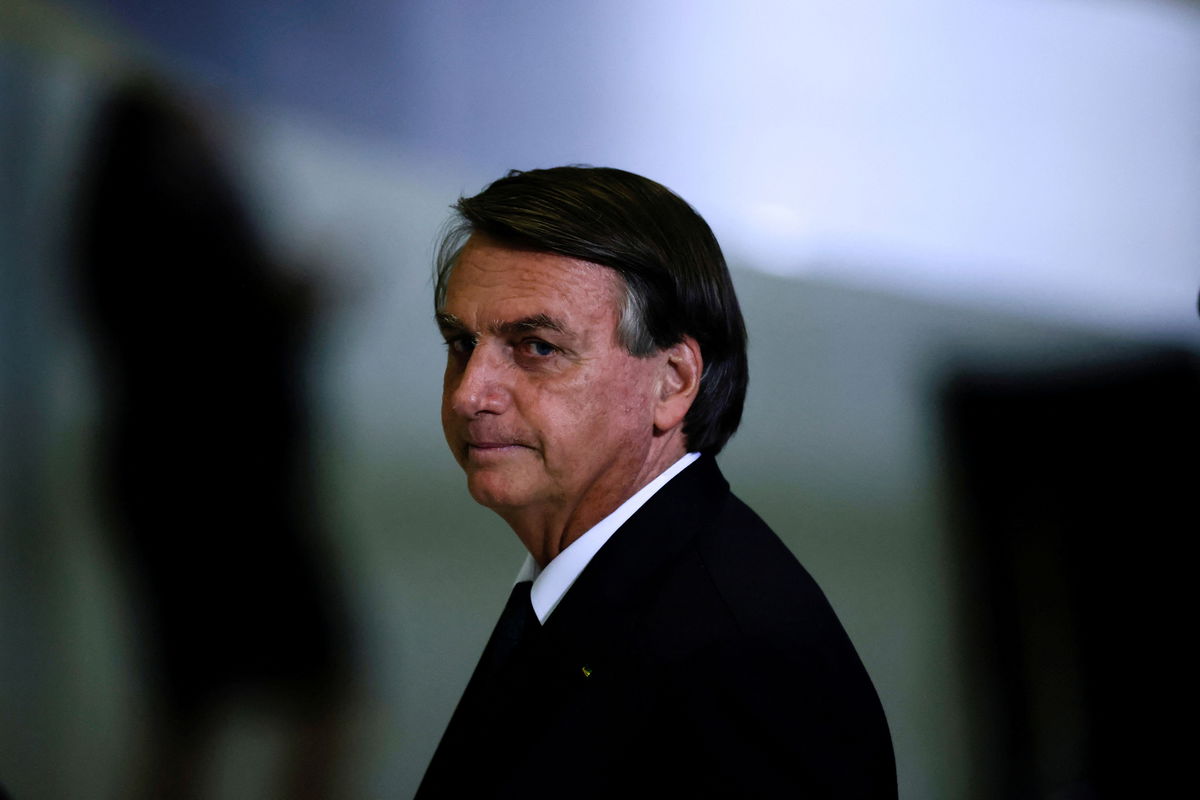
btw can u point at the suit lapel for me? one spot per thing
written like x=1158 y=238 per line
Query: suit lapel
x=594 y=626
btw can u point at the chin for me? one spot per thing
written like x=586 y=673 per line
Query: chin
x=495 y=491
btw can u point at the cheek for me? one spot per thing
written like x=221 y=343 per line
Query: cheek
x=450 y=380
x=445 y=406
x=450 y=420
x=450 y=376
x=612 y=408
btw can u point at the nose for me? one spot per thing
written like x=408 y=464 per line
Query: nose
x=480 y=386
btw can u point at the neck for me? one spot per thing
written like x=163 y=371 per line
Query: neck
x=546 y=531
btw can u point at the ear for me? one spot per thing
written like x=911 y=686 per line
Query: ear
x=678 y=383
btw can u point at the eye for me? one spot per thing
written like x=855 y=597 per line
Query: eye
x=536 y=347
x=460 y=345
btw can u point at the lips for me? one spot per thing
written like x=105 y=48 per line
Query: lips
x=493 y=440
x=480 y=438
x=492 y=445
x=493 y=452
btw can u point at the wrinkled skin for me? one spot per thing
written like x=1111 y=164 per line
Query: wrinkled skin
x=553 y=421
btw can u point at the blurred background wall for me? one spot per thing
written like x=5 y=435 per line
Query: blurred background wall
x=931 y=208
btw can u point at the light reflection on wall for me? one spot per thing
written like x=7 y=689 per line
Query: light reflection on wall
x=1037 y=157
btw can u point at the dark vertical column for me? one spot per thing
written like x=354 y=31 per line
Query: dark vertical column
x=1077 y=492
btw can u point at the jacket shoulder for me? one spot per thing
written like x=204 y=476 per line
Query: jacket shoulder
x=757 y=668
x=751 y=588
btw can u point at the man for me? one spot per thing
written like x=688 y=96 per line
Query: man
x=660 y=640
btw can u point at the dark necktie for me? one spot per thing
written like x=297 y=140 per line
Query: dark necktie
x=517 y=625
x=471 y=735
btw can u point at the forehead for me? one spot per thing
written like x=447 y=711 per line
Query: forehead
x=509 y=283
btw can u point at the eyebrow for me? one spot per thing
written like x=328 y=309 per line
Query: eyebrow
x=534 y=322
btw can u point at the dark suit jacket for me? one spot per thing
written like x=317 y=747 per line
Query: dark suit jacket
x=693 y=657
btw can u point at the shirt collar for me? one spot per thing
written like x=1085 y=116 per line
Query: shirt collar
x=551 y=583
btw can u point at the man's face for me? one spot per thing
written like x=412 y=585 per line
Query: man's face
x=542 y=407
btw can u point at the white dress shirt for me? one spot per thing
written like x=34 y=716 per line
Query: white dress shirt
x=551 y=583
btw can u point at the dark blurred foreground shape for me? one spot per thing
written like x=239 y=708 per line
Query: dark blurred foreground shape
x=1077 y=495
x=205 y=462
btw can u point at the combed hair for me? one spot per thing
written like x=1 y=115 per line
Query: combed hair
x=676 y=280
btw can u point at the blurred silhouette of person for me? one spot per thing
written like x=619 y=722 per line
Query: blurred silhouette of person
x=205 y=456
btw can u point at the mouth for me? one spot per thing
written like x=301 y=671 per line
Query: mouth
x=485 y=452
